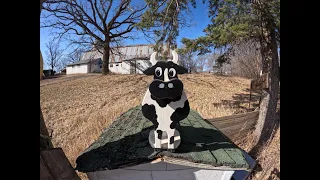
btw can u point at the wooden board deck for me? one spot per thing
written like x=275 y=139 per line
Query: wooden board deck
x=236 y=126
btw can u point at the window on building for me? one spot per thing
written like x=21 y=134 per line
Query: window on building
x=117 y=64
x=111 y=65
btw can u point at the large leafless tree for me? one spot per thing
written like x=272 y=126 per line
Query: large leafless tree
x=54 y=55
x=96 y=22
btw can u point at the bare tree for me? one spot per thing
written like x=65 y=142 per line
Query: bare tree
x=211 y=62
x=187 y=60
x=194 y=62
x=75 y=55
x=54 y=54
x=206 y=62
x=245 y=60
x=100 y=23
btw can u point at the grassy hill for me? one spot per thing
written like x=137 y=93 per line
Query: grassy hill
x=77 y=108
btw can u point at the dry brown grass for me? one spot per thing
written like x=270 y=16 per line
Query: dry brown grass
x=77 y=108
x=269 y=160
x=268 y=157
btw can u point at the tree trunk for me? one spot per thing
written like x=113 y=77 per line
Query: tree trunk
x=264 y=56
x=105 y=60
x=268 y=115
x=51 y=71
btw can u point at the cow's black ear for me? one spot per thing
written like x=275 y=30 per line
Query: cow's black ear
x=181 y=69
x=149 y=71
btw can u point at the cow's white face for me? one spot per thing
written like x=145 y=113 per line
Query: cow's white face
x=165 y=84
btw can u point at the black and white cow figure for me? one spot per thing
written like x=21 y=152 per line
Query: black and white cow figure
x=165 y=102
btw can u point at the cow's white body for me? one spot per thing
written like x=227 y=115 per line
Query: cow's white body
x=163 y=116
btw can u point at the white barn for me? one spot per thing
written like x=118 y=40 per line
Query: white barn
x=131 y=59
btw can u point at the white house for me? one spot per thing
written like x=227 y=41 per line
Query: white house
x=130 y=59
x=123 y=152
x=85 y=66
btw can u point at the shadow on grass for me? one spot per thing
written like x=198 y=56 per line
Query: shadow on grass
x=243 y=101
x=53 y=76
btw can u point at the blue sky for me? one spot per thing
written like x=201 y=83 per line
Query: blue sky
x=200 y=21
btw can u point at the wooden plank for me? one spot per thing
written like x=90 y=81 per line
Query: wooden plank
x=236 y=133
x=261 y=82
x=44 y=171
x=236 y=124
x=58 y=164
x=224 y=118
x=231 y=122
x=237 y=130
x=235 y=120
x=234 y=137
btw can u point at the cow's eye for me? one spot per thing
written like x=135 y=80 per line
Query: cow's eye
x=158 y=71
x=172 y=72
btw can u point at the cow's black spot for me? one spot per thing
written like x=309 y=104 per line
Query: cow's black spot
x=171 y=139
x=149 y=111
x=180 y=113
x=173 y=125
x=156 y=124
x=165 y=102
x=159 y=134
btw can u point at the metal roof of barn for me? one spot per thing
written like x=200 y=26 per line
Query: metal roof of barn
x=86 y=61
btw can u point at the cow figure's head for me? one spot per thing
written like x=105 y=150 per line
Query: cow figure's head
x=165 y=84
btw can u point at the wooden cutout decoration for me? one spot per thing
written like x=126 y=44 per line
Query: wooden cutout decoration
x=165 y=102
